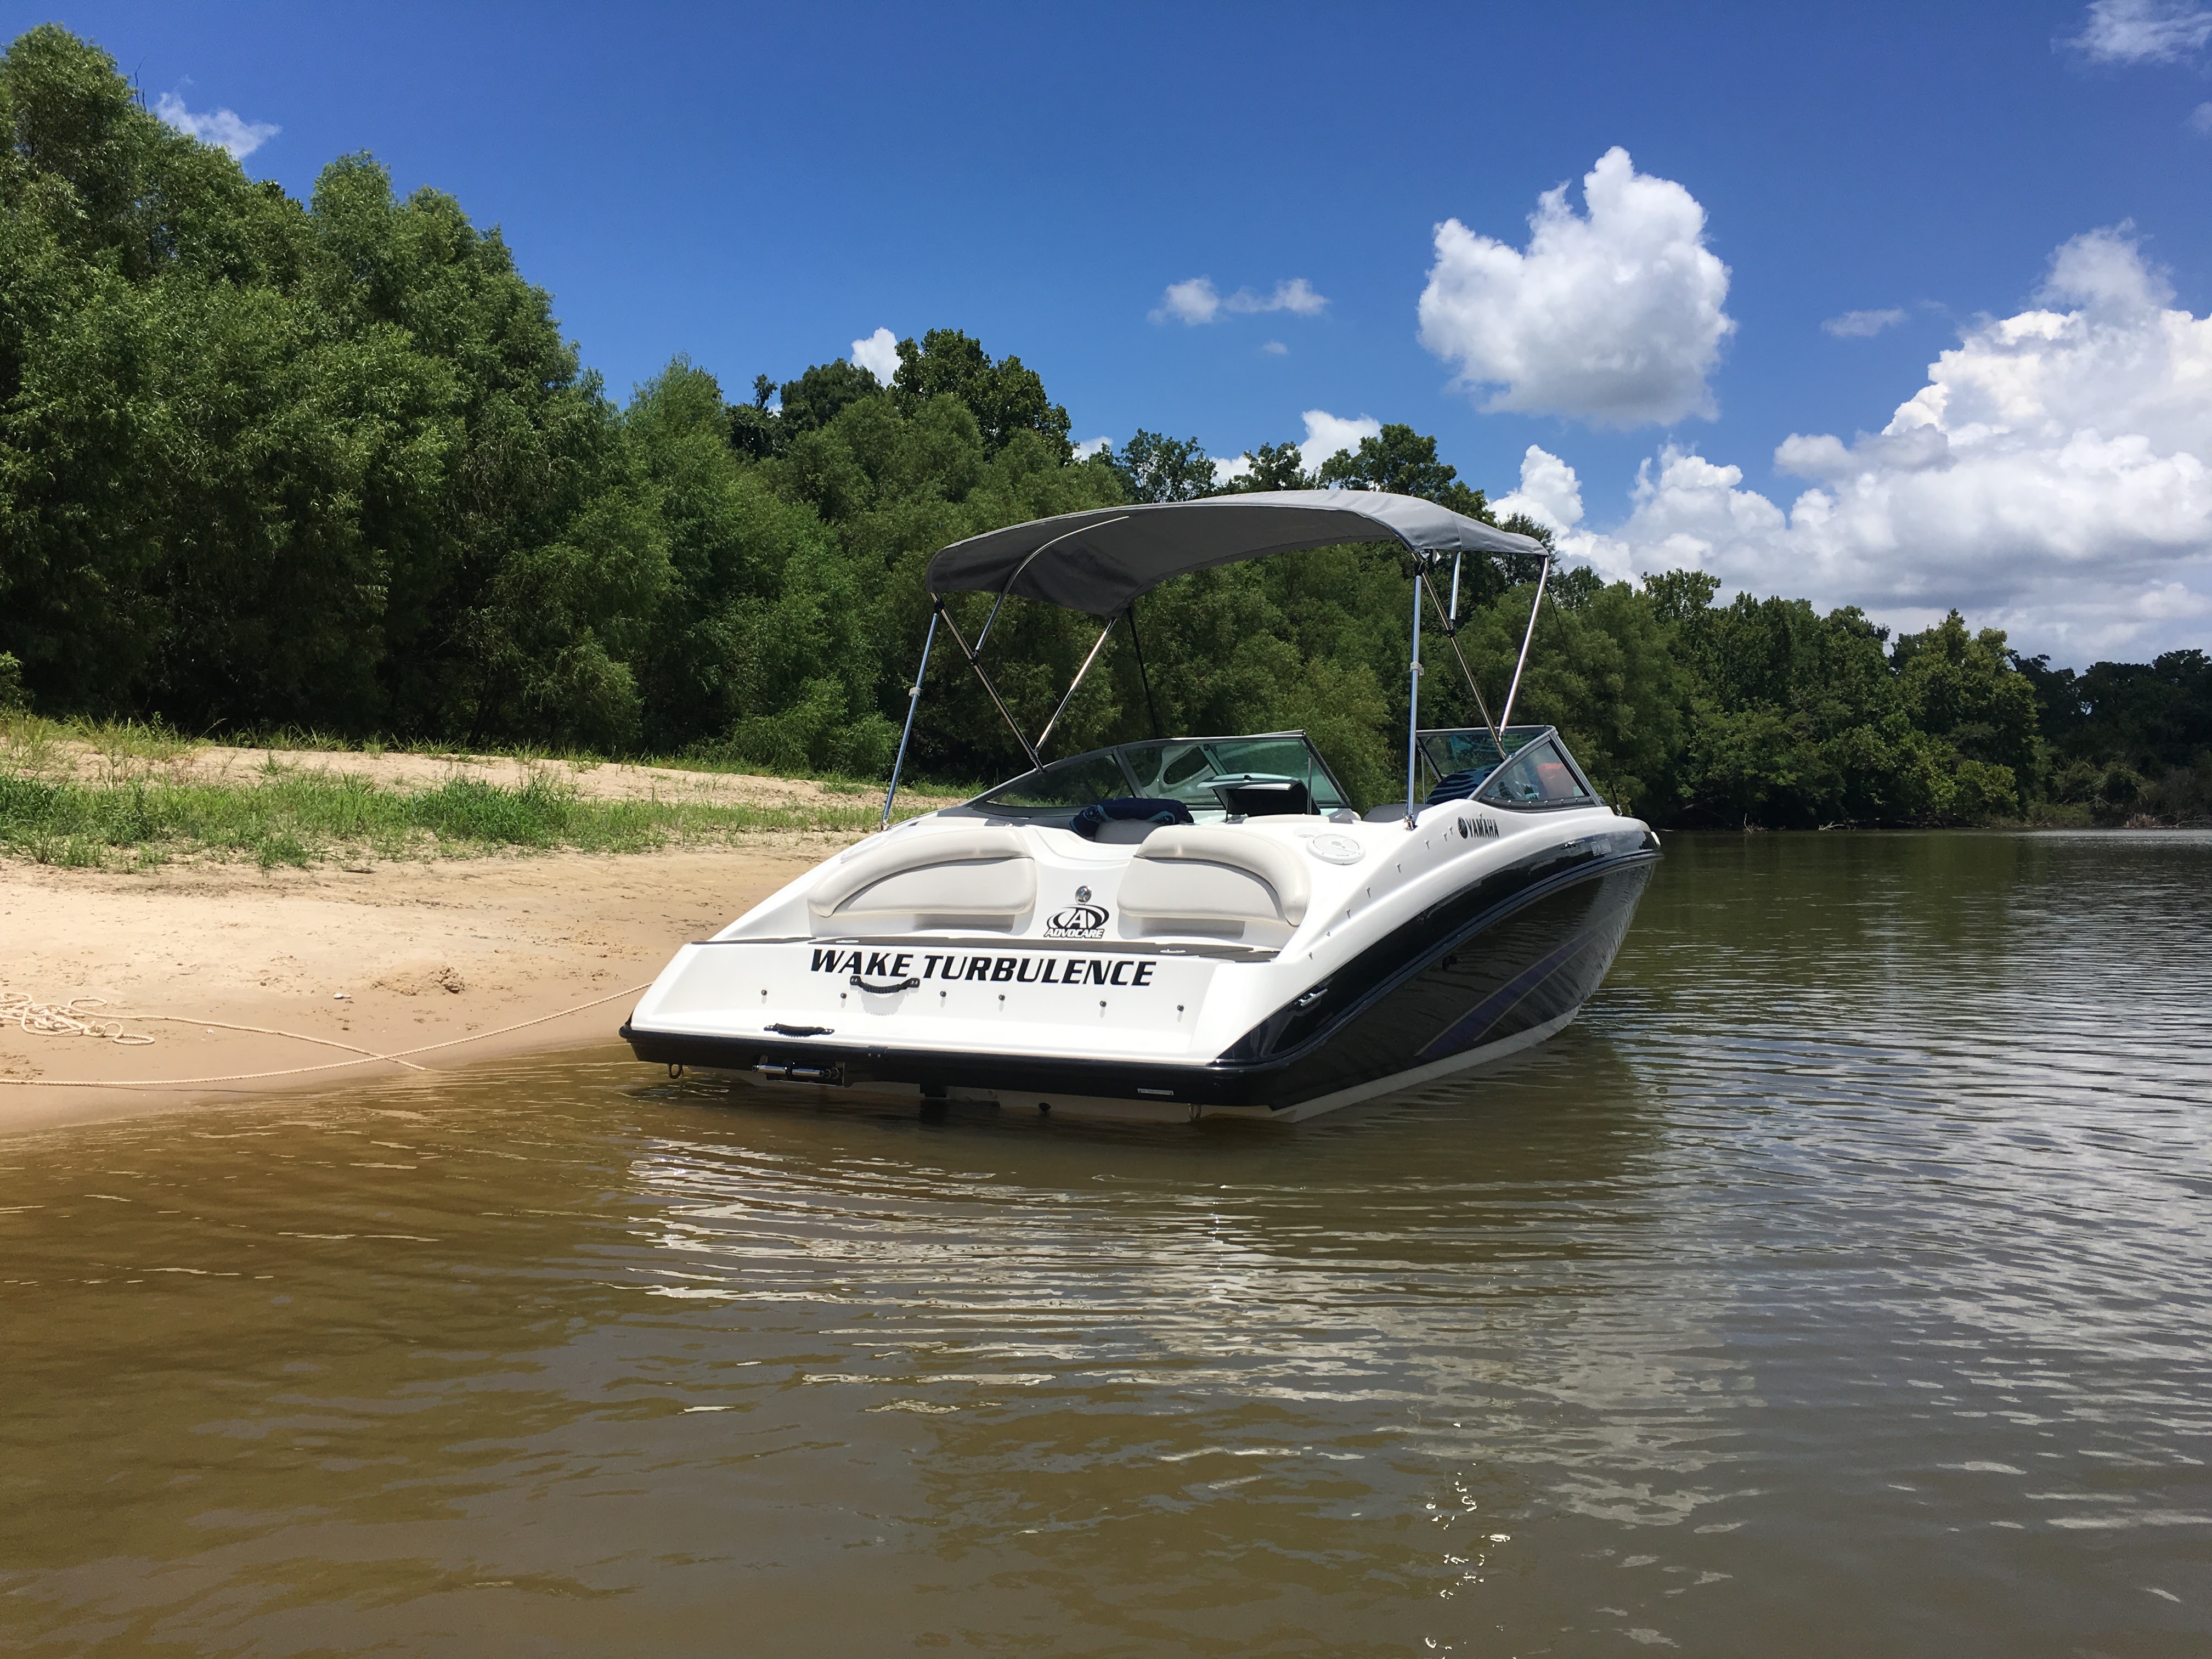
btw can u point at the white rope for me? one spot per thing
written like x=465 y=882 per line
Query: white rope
x=18 y=1009
x=399 y=1058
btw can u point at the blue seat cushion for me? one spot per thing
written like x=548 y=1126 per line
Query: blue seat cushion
x=1458 y=786
x=1145 y=809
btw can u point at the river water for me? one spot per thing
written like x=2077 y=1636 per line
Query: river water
x=1840 y=1284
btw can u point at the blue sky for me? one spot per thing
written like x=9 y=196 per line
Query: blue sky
x=760 y=188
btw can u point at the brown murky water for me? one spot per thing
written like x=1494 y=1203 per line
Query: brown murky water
x=1841 y=1284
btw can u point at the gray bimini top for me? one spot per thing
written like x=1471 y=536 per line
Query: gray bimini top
x=1099 y=561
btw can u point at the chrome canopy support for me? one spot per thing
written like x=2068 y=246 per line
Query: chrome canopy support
x=988 y=621
x=1413 y=690
x=1511 y=691
x=975 y=657
x=913 y=701
x=1145 y=679
x=953 y=629
x=1451 y=633
x=1095 y=646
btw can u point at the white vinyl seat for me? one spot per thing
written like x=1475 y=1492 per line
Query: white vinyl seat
x=1209 y=878
x=980 y=877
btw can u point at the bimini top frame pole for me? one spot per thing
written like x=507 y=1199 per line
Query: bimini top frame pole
x=975 y=660
x=1534 y=605
x=1413 y=690
x=997 y=703
x=913 y=701
x=1097 y=645
x=1451 y=634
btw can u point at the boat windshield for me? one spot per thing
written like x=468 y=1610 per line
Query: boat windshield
x=1466 y=755
x=1463 y=763
x=1538 y=776
x=1213 y=777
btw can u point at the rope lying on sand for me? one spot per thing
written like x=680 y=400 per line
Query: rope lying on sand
x=399 y=1058
x=63 y=1019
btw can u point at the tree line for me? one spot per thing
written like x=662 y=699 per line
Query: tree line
x=329 y=464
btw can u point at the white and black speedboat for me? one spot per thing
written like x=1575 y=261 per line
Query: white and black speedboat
x=1189 y=926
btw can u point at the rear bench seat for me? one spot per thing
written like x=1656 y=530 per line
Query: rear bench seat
x=978 y=878
x=1214 y=879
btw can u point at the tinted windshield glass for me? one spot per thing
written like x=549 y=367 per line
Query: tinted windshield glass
x=1061 y=785
x=1470 y=749
x=1537 y=776
x=1187 y=768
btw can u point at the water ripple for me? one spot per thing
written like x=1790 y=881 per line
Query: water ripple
x=1839 y=1283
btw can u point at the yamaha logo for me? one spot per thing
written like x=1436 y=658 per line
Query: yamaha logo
x=1476 y=828
x=1078 y=921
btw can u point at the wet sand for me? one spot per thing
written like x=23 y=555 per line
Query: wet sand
x=382 y=957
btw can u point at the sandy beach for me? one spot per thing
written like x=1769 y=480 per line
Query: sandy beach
x=382 y=957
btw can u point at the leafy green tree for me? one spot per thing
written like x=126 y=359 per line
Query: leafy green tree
x=756 y=430
x=729 y=541
x=820 y=394
x=1403 y=462
x=1963 y=688
x=2124 y=738
x=1004 y=396
x=1274 y=466
x=2156 y=715
x=1154 y=467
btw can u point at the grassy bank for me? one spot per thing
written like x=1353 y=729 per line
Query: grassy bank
x=35 y=745
x=81 y=795
x=296 y=820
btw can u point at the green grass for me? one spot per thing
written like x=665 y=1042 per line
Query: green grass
x=298 y=818
x=32 y=745
x=134 y=814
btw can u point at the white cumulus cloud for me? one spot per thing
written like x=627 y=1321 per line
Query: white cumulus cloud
x=1325 y=434
x=1296 y=296
x=1613 y=316
x=224 y=128
x=1862 y=325
x=1190 y=303
x=878 y=354
x=2142 y=31
x=2200 y=119
x=1090 y=446
x=1198 y=301
x=1549 y=493
x=2053 y=477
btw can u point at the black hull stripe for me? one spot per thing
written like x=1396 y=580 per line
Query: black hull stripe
x=1411 y=949
x=1468 y=1032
